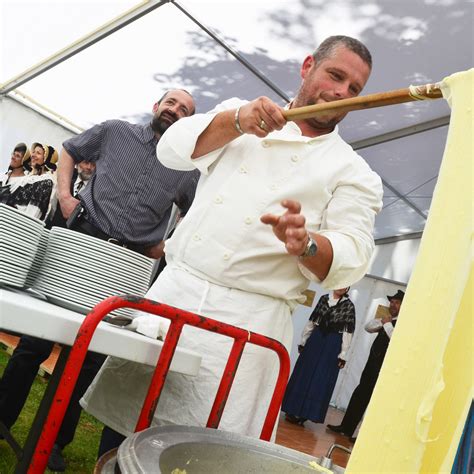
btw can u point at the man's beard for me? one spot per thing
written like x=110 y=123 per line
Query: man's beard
x=320 y=122
x=158 y=125
x=85 y=175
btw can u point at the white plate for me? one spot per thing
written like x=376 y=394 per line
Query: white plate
x=19 y=260
x=8 y=231
x=84 y=287
x=96 y=262
x=84 y=273
x=78 y=308
x=8 y=210
x=63 y=303
x=87 y=242
x=80 y=290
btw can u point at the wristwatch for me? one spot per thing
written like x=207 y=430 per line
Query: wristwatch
x=311 y=248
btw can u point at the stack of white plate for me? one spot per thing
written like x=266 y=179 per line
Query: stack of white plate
x=38 y=260
x=19 y=238
x=79 y=271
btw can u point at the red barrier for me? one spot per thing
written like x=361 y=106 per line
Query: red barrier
x=178 y=319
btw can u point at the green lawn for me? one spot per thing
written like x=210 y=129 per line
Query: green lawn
x=80 y=455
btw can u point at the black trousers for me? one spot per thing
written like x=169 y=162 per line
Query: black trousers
x=109 y=439
x=20 y=373
x=361 y=396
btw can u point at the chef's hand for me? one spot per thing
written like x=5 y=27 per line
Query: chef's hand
x=68 y=204
x=341 y=363
x=261 y=117
x=289 y=227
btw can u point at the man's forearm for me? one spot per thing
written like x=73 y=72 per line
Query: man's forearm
x=65 y=171
x=217 y=134
x=321 y=263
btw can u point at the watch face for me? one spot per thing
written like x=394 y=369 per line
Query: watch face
x=311 y=249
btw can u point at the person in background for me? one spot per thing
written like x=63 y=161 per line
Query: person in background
x=323 y=352
x=16 y=172
x=131 y=195
x=278 y=204
x=127 y=201
x=80 y=178
x=361 y=396
x=17 y=167
x=35 y=193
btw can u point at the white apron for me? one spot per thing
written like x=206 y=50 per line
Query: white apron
x=117 y=393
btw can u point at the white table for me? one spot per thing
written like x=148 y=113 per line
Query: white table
x=30 y=314
x=25 y=313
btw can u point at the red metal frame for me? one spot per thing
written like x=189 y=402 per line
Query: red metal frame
x=178 y=319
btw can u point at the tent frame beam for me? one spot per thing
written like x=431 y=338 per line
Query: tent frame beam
x=401 y=133
x=234 y=53
x=395 y=135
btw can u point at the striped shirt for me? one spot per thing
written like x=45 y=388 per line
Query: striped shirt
x=131 y=194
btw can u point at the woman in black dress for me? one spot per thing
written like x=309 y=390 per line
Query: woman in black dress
x=323 y=348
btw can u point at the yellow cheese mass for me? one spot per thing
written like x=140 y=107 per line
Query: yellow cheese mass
x=419 y=407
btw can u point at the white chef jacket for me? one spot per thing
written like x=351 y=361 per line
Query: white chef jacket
x=222 y=240
x=225 y=264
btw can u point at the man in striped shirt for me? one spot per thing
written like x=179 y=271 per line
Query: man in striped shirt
x=130 y=197
x=128 y=201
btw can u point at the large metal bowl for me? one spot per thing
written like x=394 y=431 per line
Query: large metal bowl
x=192 y=450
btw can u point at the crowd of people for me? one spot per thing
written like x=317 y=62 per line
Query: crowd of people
x=266 y=205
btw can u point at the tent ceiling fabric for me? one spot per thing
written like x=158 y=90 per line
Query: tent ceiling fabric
x=412 y=42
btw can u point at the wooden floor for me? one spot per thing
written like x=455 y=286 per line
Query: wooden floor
x=314 y=438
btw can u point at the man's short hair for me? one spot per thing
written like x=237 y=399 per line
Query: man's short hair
x=171 y=90
x=329 y=45
x=21 y=147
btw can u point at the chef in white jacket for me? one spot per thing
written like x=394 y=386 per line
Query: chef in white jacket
x=278 y=204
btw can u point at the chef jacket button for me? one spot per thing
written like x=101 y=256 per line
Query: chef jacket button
x=248 y=220
x=242 y=169
x=218 y=200
x=196 y=237
x=295 y=158
x=226 y=256
x=265 y=144
x=273 y=187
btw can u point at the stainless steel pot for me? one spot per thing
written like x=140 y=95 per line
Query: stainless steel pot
x=192 y=450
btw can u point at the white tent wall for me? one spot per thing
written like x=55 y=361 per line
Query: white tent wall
x=21 y=123
x=391 y=267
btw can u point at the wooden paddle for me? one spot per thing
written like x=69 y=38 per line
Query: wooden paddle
x=399 y=96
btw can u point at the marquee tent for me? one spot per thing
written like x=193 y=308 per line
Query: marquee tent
x=66 y=65
x=88 y=61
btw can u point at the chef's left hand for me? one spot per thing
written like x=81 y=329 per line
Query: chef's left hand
x=289 y=227
x=341 y=363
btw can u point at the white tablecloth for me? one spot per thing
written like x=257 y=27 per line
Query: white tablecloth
x=25 y=313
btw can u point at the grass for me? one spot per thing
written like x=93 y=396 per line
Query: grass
x=80 y=455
